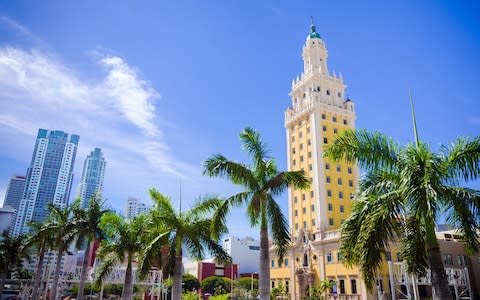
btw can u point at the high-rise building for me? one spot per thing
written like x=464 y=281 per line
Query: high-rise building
x=49 y=177
x=134 y=207
x=14 y=193
x=319 y=111
x=92 y=176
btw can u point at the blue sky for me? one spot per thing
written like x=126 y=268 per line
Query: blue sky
x=161 y=85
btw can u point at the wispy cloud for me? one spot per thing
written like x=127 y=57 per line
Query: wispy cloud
x=474 y=121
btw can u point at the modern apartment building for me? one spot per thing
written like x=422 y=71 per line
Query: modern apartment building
x=135 y=207
x=92 y=176
x=49 y=177
x=14 y=193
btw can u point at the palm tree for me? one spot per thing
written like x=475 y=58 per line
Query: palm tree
x=62 y=226
x=13 y=251
x=41 y=237
x=262 y=182
x=171 y=230
x=123 y=240
x=87 y=230
x=402 y=195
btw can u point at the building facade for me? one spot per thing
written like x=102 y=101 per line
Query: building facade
x=134 y=207
x=93 y=175
x=319 y=111
x=7 y=217
x=14 y=193
x=49 y=177
x=244 y=252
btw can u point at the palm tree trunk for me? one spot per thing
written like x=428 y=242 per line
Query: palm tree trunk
x=264 y=276
x=2 y=280
x=53 y=295
x=127 y=291
x=177 y=279
x=83 y=276
x=440 y=287
x=38 y=273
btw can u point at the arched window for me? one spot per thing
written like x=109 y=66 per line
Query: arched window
x=305 y=260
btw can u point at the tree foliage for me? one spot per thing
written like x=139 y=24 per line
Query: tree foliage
x=214 y=284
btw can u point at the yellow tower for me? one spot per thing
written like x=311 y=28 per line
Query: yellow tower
x=319 y=111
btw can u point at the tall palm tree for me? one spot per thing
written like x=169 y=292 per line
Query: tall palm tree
x=87 y=230
x=262 y=182
x=402 y=195
x=173 y=230
x=13 y=251
x=123 y=241
x=40 y=237
x=62 y=226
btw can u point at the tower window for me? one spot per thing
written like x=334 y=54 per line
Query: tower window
x=312 y=207
x=304 y=224
x=329 y=193
x=308 y=129
x=328 y=92
x=300 y=134
x=296 y=213
x=318 y=89
x=301 y=158
x=310 y=167
x=313 y=222
x=327 y=166
x=353 y=284
x=293 y=150
x=349 y=170
x=339 y=169
x=325 y=140
x=293 y=138
x=330 y=221
x=324 y=116
x=334 y=119
x=304 y=210
x=296 y=226
x=339 y=95
x=345 y=122
x=303 y=197
x=342 y=208
x=311 y=194
x=339 y=181
x=309 y=154
x=294 y=162
x=301 y=146
x=324 y=128
x=330 y=207
x=295 y=199
x=335 y=130
x=329 y=257
x=309 y=142
x=328 y=179
x=340 y=195
x=350 y=183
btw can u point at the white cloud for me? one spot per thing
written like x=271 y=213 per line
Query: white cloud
x=117 y=113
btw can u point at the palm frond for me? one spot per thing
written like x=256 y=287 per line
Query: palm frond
x=463 y=158
x=279 y=183
x=238 y=173
x=463 y=206
x=105 y=268
x=279 y=228
x=255 y=147
x=413 y=247
x=152 y=253
x=369 y=150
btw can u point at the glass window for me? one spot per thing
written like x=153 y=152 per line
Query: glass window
x=324 y=128
x=328 y=179
x=310 y=167
x=353 y=283
x=325 y=140
x=330 y=221
x=342 y=286
x=339 y=169
x=309 y=142
x=350 y=183
x=342 y=209
x=311 y=194
x=334 y=119
x=294 y=162
x=339 y=181
x=330 y=206
x=296 y=226
x=340 y=195
x=335 y=130
x=312 y=207
x=345 y=122
x=327 y=166
x=304 y=224
x=324 y=116
x=296 y=213
x=293 y=150
x=329 y=257
x=399 y=256
x=329 y=193
x=295 y=199
x=309 y=154
x=303 y=197
x=349 y=170
x=301 y=146
x=313 y=222
x=304 y=210
x=286 y=262
x=273 y=263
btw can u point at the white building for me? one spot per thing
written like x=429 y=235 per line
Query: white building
x=135 y=207
x=245 y=252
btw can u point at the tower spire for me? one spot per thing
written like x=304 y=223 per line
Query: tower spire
x=313 y=28
x=415 y=132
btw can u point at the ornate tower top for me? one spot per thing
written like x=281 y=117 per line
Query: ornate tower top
x=313 y=31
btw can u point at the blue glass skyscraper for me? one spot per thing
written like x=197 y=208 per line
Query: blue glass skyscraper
x=92 y=176
x=49 y=177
